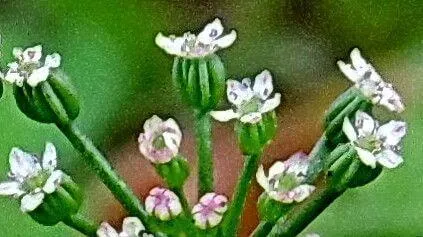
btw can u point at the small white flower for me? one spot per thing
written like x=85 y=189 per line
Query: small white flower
x=374 y=143
x=161 y=140
x=370 y=82
x=250 y=102
x=30 y=179
x=29 y=68
x=163 y=203
x=131 y=227
x=208 y=213
x=189 y=45
x=285 y=182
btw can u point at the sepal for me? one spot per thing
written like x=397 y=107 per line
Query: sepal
x=271 y=210
x=174 y=172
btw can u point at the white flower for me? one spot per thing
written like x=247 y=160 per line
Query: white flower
x=285 y=182
x=189 y=45
x=250 y=102
x=30 y=179
x=208 y=213
x=163 y=203
x=374 y=143
x=131 y=227
x=161 y=140
x=370 y=82
x=29 y=68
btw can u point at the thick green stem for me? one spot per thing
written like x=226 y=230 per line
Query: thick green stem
x=203 y=134
x=99 y=164
x=233 y=217
x=262 y=229
x=81 y=224
x=317 y=156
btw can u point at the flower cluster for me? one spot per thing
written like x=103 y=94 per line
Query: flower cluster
x=374 y=143
x=31 y=180
x=208 y=41
x=29 y=68
x=370 y=82
x=285 y=182
x=250 y=101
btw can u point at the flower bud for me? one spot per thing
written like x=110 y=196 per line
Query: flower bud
x=51 y=101
x=59 y=205
x=174 y=172
x=209 y=212
x=201 y=81
x=253 y=137
x=271 y=210
x=163 y=204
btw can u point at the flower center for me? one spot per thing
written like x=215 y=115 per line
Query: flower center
x=162 y=200
x=250 y=106
x=284 y=183
x=159 y=142
x=370 y=143
x=36 y=181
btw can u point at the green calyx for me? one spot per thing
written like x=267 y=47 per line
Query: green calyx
x=252 y=138
x=59 y=205
x=271 y=210
x=51 y=101
x=201 y=81
x=174 y=172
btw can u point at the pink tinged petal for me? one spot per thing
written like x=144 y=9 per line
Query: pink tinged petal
x=226 y=40
x=276 y=169
x=31 y=201
x=224 y=116
x=263 y=85
x=366 y=157
x=162 y=212
x=106 y=230
x=32 y=54
x=175 y=207
x=198 y=207
x=391 y=99
x=49 y=157
x=172 y=45
x=211 y=32
x=302 y=192
x=214 y=219
x=271 y=104
x=348 y=71
x=389 y=159
x=132 y=226
x=150 y=204
x=38 y=75
x=152 y=124
x=262 y=179
x=200 y=221
x=238 y=93
x=23 y=164
x=391 y=133
x=252 y=118
x=364 y=124
x=298 y=164
x=358 y=61
x=53 y=60
x=349 y=130
x=53 y=181
x=10 y=188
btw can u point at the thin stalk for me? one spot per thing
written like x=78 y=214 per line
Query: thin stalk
x=203 y=135
x=99 y=164
x=233 y=217
x=181 y=194
x=82 y=224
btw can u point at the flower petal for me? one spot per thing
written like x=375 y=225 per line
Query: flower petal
x=391 y=133
x=391 y=99
x=389 y=159
x=106 y=230
x=31 y=201
x=348 y=71
x=349 y=130
x=53 y=181
x=271 y=104
x=172 y=45
x=132 y=226
x=366 y=157
x=38 y=75
x=211 y=32
x=224 y=116
x=10 y=188
x=364 y=124
x=53 y=60
x=302 y=192
x=23 y=164
x=358 y=61
x=297 y=163
x=200 y=220
x=262 y=179
x=263 y=85
x=32 y=55
x=152 y=123
x=276 y=169
x=252 y=118
x=49 y=157
x=237 y=92
x=214 y=219
x=226 y=40
x=17 y=53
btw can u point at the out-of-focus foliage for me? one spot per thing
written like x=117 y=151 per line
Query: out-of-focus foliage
x=108 y=51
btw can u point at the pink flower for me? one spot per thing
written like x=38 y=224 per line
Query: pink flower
x=208 y=213
x=163 y=203
x=161 y=140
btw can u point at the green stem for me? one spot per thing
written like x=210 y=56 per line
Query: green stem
x=81 y=224
x=239 y=197
x=98 y=163
x=262 y=229
x=317 y=157
x=204 y=150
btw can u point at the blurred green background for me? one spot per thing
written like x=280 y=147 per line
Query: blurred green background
x=108 y=50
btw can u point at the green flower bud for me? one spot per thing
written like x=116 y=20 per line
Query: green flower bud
x=59 y=205
x=253 y=137
x=201 y=81
x=271 y=210
x=174 y=172
x=51 y=101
